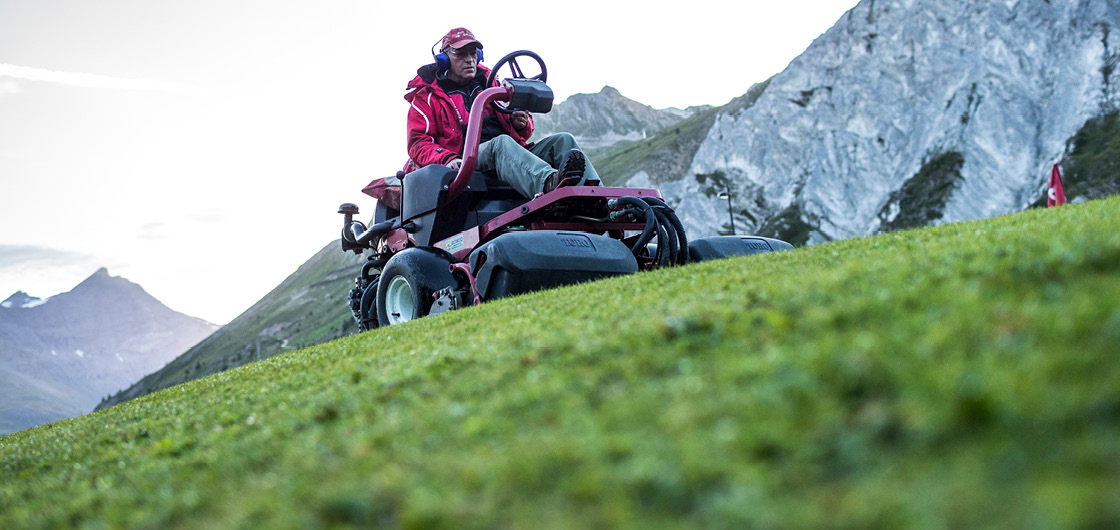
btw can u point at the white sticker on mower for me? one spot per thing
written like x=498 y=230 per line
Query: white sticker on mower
x=455 y=243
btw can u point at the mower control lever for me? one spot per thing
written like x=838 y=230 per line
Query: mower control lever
x=474 y=133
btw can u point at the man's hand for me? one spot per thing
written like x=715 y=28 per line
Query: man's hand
x=520 y=119
x=455 y=164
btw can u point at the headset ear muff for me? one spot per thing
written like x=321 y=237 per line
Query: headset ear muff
x=443 y=63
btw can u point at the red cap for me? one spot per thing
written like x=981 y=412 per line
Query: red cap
x=459 y=37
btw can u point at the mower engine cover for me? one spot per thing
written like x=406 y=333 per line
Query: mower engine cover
x=727 y=246
x=520 y=262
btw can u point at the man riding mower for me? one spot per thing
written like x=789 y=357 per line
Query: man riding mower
x=479 y=213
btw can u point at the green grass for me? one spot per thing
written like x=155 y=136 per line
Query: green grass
x=963 y=376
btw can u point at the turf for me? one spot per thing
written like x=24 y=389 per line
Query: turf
x=962 y=376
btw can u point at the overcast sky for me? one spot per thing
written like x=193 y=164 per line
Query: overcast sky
x=201 y=149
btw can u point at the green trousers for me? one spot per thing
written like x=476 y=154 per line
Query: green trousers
x=525 y=170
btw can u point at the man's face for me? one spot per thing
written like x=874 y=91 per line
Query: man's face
x=464 y=62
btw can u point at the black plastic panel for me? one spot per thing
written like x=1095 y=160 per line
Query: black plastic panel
x=521 y=262
x=530 y=95
x=425 y=203
x=422 y=189
x=727 y=246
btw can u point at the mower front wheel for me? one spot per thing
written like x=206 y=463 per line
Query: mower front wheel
x=408 y=283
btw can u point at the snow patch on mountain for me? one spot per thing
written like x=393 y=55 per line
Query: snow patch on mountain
x=21 y=300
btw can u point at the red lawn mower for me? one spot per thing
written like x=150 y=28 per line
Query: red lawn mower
x=442 y=239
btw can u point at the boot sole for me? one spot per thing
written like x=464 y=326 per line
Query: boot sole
x=572 y=166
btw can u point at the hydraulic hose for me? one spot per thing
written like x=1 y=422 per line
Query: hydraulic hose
x=587 y=219
x=374 y=232
x=666 y=234
x=661 y=257
x=682 y=238
x=372 y=264
x=650 y=229
x=661 y=222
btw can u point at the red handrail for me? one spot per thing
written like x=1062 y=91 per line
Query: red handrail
x=474 y=131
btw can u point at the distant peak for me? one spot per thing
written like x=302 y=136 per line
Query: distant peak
x=102 y=286
x=102 y=277
x=21 y=300
x=610 y=91
x=16 y=299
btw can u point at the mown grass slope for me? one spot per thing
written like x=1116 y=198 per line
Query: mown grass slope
x=962 y=376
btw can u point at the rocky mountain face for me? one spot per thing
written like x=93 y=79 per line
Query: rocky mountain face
x=906 y=112
x=606 y=119
x=307 y=308
x=59 y=357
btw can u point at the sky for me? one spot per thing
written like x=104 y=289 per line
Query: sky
x=201 y=149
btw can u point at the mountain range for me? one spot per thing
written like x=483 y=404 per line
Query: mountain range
x=60 y=356
x=607 y=120
x=309 y=307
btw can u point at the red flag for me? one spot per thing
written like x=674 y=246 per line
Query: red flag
x=1057 y=193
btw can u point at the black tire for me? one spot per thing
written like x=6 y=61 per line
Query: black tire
x=408 y=283
x=369 y=318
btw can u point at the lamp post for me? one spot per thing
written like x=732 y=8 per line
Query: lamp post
x=726 y=194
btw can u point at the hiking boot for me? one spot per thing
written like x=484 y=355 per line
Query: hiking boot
x=551 y=182
x=570 y=171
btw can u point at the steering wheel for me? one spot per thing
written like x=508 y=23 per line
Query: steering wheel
x=517 y=74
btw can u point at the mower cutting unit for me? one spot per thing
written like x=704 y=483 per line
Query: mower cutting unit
x=442 y=239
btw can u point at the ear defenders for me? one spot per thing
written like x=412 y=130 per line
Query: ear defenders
x=443 y=62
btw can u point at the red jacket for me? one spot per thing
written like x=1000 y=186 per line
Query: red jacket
x=437 y=121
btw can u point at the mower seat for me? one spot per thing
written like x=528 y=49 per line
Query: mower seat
x=496 y=199
x=424 y=201
x=493 y=182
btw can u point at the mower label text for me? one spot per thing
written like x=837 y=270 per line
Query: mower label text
x=572 y=242
x=455 y=243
